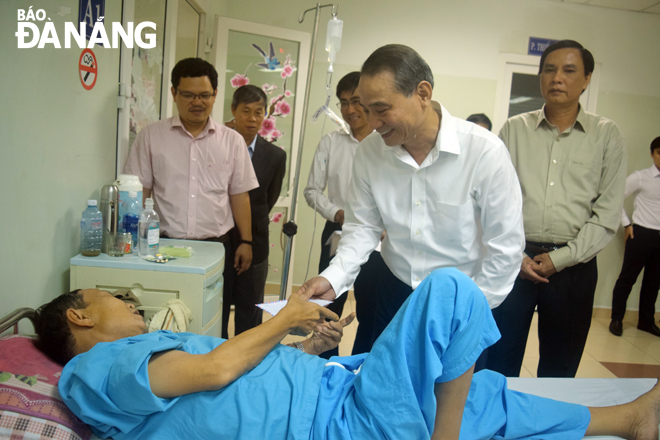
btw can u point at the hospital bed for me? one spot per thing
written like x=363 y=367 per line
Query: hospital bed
x=30 y=406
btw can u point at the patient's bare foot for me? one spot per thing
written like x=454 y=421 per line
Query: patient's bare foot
x=637 y=420
x=646 y=418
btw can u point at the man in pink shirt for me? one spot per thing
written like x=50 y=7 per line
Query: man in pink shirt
x=198 y=172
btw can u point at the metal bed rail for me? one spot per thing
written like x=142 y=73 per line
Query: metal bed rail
x=11 y=319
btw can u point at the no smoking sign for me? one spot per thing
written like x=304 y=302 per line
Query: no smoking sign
x=88 y=69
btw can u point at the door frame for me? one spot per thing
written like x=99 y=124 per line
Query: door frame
x=125 y=63
x=510 y=63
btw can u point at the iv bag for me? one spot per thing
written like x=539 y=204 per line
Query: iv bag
x=333 y=38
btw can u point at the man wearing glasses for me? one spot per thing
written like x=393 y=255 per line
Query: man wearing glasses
x=332 y=168
x=198 y=171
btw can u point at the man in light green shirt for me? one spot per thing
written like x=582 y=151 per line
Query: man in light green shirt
x=572 y=168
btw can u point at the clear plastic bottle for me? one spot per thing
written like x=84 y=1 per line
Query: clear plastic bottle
x=333 y=38
x=132 y=209
x=148 y=230
x=91 y=230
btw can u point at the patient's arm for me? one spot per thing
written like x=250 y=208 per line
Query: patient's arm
x=175 y=373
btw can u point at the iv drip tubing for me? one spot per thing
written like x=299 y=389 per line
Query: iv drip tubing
x=294 y=198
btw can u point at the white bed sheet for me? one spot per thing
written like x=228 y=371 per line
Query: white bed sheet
x=589 y=392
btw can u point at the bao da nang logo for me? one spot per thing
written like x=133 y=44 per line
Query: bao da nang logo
x=29 y=35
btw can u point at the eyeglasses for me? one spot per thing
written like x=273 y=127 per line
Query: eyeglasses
x=343 y=105
x=189 y=96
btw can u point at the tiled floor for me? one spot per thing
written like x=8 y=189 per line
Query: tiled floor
x=606 y=355
x=635 y=354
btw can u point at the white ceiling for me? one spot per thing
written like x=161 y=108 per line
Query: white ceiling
x=649 y=6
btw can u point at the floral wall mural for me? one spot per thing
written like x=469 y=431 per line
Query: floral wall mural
x=269 y=63
x=276 y=60
x=278 y=106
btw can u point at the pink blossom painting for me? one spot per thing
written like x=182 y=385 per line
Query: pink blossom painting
x=239 y=80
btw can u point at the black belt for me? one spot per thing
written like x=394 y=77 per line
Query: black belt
x=535 y=247
x=222 y=239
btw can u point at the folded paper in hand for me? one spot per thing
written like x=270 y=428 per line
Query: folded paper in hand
x=274 y=307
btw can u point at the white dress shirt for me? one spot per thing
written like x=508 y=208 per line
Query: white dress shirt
x=332 y=167
x=645 y=184
x=462 y=207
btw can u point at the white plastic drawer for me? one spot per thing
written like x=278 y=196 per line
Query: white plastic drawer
x=148 y=297
x=212 y=297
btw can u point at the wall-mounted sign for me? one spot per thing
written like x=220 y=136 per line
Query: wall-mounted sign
x=89 y=12
x=536 y=45
x=88 y=69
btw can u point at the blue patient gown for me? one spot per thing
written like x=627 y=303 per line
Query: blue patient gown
x=436 y=337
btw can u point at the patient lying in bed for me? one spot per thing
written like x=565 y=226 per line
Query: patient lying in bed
x=416 y=383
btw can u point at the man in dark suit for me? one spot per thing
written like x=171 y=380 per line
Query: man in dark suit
x=269 y=161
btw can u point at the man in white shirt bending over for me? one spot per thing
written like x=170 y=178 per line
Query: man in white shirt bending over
x=332 y=168
x=443 y=188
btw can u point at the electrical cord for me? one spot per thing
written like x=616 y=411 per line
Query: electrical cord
x=316 y=194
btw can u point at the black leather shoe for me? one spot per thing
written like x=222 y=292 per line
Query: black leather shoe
x=616 y=327
x=653 y=329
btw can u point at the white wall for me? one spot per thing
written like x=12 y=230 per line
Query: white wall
x=57 y=144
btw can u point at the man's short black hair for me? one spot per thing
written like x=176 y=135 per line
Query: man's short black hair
x=587 y=57
x=348 y=83
x=247 y=95
x=53 y=334
x=407 y=67
x=655 y=144
x=480 y=118
x=194 y=68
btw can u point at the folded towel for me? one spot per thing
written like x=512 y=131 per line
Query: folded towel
x=175 y=317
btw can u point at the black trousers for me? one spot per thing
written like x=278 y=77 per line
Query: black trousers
x=248 y=291
x=229 y=275
x=328 y=230
x=243 y=291
x=338 y=305
x=642 y=252
x=378 y=296
x=565 y=307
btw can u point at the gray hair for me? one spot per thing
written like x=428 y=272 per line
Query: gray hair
x=407 y=67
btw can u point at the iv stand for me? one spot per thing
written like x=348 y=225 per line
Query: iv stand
x=290 y=228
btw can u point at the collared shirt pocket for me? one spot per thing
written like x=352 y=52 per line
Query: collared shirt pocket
x=582 y=178
x=456 y=224
x=215 y=177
